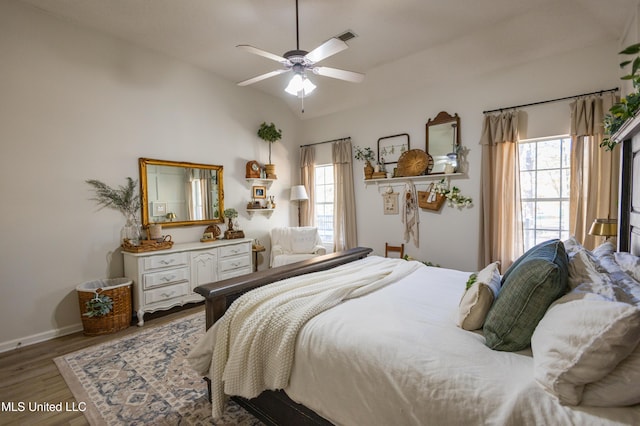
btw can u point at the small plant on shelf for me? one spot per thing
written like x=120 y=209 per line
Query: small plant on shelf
x=363 y=154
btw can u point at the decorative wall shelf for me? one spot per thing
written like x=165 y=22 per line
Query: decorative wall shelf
x=414 y=179
x=262 y=182
x=266 y=212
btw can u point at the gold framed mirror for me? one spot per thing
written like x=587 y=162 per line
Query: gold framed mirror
x=443 y=141
x=180 y=194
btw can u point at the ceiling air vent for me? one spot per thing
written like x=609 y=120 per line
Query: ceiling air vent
x=347 y=35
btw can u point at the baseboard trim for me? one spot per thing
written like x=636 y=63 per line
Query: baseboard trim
x=40 y=337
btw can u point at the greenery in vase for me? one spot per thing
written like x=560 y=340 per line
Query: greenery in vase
x=453 y=195
x=230 y=213
x=627 y=107
x=269 y=133
x=99 y=306
x=363 y=154
x=125 y=199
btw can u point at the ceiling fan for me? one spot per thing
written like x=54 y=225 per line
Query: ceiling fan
x=300 y=61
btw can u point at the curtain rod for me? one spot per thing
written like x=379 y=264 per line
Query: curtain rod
x=320 y=143
x=615 y=89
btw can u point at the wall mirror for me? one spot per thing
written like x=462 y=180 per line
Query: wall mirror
x=180 y=194
x=443 y=141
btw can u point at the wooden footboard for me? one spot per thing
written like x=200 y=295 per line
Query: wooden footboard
x=272 y=407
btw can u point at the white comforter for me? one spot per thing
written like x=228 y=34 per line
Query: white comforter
x=251 y=348
x=396 y=357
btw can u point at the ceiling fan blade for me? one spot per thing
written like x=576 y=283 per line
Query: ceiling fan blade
x=354 y=77
x=262 y=53
x=261 y=77
x=326 y=49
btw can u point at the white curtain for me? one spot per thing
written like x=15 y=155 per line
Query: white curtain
x=307 y=175
x=594 y=171
x=501 y=218
x=344 y=215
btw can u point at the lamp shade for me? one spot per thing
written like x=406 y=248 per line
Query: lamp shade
x=298 y=193
x=604 y=227
x=300 y=86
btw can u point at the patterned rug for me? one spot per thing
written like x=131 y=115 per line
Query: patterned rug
x=145 y=379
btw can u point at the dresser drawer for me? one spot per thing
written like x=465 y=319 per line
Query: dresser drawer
x=234 y=263
x=166 y=260
x=162 y=278
x=234 y=250
x=235 y=273
x=166 y=293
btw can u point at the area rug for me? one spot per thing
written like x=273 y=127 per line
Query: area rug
x=145 y=379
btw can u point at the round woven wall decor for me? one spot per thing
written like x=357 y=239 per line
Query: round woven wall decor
x=413 y=162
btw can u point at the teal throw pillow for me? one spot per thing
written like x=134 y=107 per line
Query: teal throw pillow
x=529 y=287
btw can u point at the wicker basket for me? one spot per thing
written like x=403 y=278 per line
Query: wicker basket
x=119 y=318
x=430 y=200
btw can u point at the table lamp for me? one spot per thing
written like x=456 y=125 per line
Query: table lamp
x=604 y=228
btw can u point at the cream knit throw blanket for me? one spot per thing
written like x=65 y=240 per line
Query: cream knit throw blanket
x=251 y=348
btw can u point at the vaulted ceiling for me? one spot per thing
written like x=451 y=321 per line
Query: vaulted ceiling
x=398 y=42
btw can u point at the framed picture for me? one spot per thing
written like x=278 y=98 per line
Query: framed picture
x=391 y=147
x=259 y=192
x=390 y=203
x=159 y=208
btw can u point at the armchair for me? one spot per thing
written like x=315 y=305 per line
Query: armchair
x=289 y=245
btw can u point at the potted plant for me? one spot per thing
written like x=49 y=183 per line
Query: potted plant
x=270 y=134
x=230 y=214
x=126 y=200
x=627 y=107
x=366 y=155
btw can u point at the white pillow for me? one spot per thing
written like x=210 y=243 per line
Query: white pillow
x=584 y=268
x=621 y=387
x=581 y=339
x=628 y=289
x=603 y=249
x=572 y=246
x=628 y=263
x=477 y=299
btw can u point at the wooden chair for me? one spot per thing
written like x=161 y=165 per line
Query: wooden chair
x=393 y=249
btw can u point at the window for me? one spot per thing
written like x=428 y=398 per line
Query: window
x=544 y=188
x=323 y=193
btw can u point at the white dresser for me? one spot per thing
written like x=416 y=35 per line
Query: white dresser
x=166 y=278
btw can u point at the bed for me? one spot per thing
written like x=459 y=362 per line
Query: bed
x=396 y=355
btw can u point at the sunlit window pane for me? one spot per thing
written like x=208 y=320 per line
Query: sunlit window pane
x=528 y=185
x=549 y=183
x=324 y=203
x=549 y=154
x=544 y=189
x=527 y=152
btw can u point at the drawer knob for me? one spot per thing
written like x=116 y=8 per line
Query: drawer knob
x=168 y=294
x=167 y=279
x=167 y=262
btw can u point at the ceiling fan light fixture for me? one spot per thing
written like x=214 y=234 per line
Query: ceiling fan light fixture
x=300 y=86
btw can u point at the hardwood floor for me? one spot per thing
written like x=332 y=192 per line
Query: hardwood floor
x=29 y=375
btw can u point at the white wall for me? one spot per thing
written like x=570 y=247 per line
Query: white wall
x=451 y=237
x=77 y=105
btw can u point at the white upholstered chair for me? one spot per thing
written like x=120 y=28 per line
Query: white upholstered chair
x=289 y=244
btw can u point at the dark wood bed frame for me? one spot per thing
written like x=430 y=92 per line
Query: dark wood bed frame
x=275 y=407
x=272 y=407
x=629 y=212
